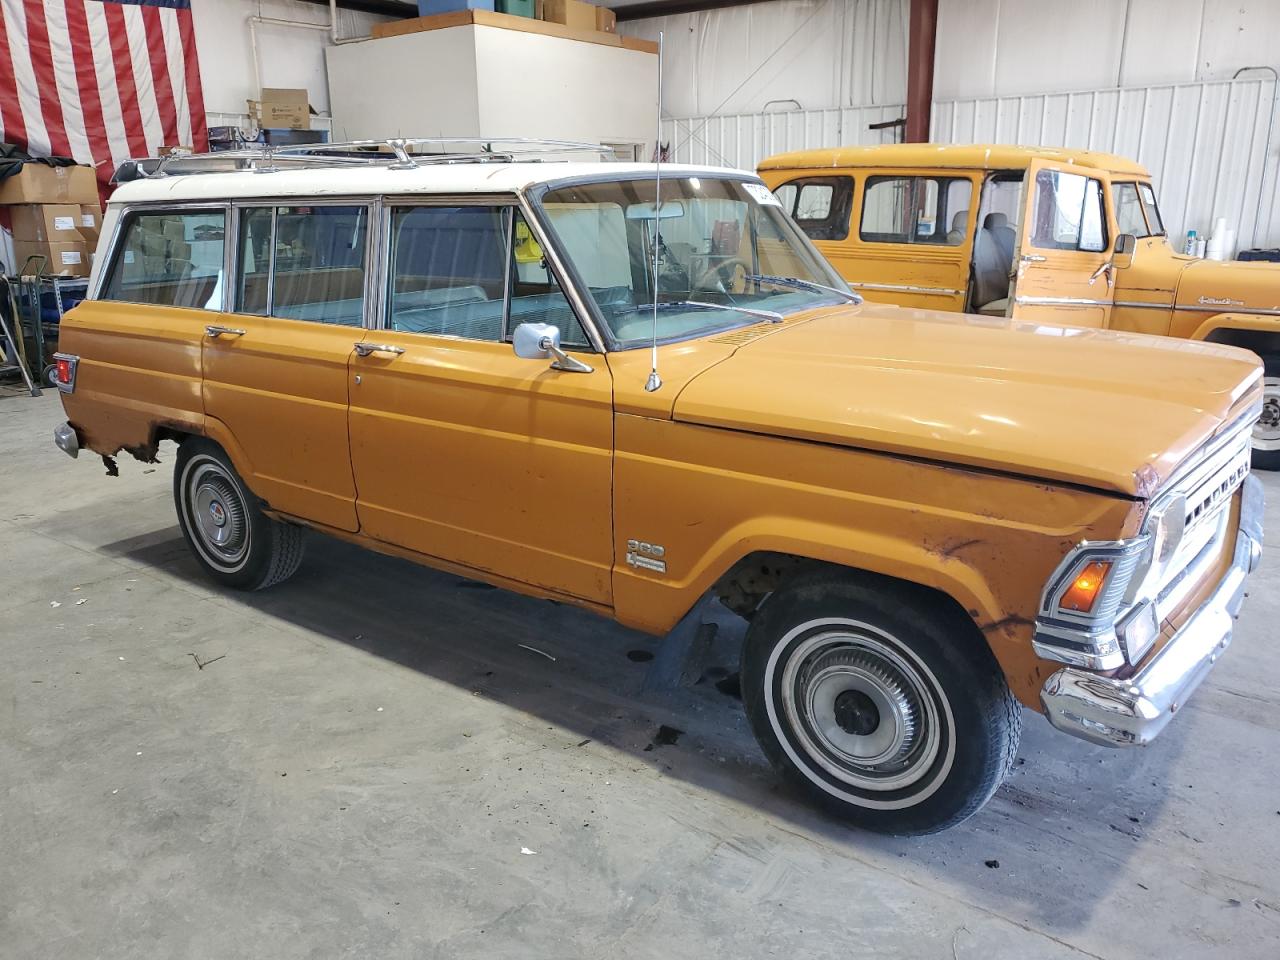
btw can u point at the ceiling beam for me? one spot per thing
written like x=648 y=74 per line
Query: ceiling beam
x=667 y=8
x=389 y=8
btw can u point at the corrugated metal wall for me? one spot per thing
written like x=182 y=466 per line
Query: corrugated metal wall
x=1205 y=143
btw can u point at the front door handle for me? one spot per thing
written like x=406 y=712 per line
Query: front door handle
x=364 y=349
x=215 y=331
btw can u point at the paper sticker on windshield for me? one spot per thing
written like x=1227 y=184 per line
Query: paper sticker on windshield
x=762 y=193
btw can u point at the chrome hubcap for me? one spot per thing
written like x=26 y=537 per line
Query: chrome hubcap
x=1266 y=430
x=861 y=710
x=219 y=514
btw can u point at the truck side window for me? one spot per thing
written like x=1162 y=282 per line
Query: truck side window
x=820 y=206
x=916 y=210
x=304 y=262
x=1067 y=213
x=449 y=275
x=171 y=258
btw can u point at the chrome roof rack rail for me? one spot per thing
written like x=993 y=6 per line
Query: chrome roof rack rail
x=395 y=154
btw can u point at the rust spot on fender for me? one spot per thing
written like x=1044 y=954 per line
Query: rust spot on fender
x=1146 y=479
x=948 y=549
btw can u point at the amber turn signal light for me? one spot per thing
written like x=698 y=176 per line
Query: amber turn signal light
x=1086 y=586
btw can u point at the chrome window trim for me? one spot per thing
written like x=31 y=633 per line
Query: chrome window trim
x=1062 y=301
x=905 y=288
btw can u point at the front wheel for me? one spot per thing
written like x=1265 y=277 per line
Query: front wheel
x=237 y=544
x=1266 y=429
x=880 y=703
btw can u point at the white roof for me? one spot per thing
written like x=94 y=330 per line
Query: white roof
x=379 y=179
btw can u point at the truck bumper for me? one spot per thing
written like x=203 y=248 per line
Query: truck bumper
x=64 y=436
x=1122 y=713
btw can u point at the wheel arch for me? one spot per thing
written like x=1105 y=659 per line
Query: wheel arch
x=1252 y=331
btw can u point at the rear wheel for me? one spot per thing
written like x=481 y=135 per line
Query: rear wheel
x=1266 y=431
x=236 y=543
x=877 y=701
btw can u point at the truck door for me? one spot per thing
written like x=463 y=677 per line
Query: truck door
x=1064 y=250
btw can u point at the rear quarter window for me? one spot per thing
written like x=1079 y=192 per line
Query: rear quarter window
x=170 y=258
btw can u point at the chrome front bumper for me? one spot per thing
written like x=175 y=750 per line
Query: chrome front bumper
x=64 y=435
x=1122 y=713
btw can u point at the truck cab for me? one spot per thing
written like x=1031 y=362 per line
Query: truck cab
x=1042 y=235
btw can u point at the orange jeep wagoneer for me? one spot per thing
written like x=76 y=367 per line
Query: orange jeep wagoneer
x=545 y=376
x=956 y=228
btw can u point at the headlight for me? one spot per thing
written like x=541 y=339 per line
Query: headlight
x=1077 y=619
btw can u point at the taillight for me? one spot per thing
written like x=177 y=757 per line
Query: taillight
x=64 y=372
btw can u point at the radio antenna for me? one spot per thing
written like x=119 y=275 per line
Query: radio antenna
x=655 y=381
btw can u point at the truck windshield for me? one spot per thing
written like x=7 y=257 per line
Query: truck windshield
x=721 y=243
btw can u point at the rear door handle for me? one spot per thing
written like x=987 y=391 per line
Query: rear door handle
x=364 y=349
x=1033 y=258
x=215 y=331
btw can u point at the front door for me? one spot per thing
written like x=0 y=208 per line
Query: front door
x=462 y=450
x=275 y=368
x=1062 y=274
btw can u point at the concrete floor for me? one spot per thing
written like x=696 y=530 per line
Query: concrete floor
x=368 y=765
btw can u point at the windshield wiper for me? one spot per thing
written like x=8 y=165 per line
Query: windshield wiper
x=770 y=315
x=804 y=285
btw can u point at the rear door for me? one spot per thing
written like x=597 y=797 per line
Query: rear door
x=1065 y=247
x=275 y=368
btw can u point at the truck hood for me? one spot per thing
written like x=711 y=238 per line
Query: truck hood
x=1107 y=410
x=1230 y=286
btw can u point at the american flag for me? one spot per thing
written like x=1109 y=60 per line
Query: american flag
x=99 y=80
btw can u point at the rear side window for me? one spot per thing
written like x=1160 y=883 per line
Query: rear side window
x=916 y=210
x=819 y=205
x=172 y=258
x=303 y=262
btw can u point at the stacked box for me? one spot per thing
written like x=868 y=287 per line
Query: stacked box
x=54 y=214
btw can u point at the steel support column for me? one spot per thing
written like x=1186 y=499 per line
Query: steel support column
x=923 y=34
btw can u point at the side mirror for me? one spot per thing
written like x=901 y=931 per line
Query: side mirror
x=1126 y=246
x=538 y=341
x=535 y=341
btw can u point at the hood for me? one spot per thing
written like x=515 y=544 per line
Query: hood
x=1230 y=286
x=1108 y=410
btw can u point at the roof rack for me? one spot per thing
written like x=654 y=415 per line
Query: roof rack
x=395 y=154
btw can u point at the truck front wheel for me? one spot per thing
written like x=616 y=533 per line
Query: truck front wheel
x=878 y=701
x=1266 y=430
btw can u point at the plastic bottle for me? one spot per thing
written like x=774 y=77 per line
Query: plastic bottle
x=1189 y=248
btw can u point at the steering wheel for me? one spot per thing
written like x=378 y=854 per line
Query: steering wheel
x=730 y=273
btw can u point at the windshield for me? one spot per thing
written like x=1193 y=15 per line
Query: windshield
x=720 y=245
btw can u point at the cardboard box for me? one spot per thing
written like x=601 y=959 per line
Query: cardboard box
x=90 y=221
x=606 y=20
x=60 y=259
x=46 y=222
x=41 y=183
x=572 y=13
x=282 y=108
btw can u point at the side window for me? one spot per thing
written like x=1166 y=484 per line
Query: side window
x=171 y=259
x=1067 y=213
x=450 y=275
x=1129 y=218
x=819 y=205
x=536 y=297
x=447 y=271
x=916 y=210
x=303 y=262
